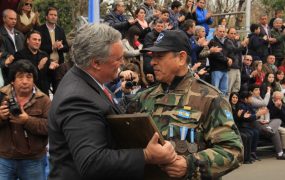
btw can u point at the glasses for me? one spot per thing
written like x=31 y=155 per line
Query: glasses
x=28 y=4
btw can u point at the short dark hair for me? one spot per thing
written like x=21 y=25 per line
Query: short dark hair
x=245 y=95
x=189 y=23
x=175 y=4
x=24 y=66
x=138 y=10
x=253 y=27
x=252 y=87
x=30 y=33
x=51 y=9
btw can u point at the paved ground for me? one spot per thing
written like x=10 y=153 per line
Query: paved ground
x=267 y=169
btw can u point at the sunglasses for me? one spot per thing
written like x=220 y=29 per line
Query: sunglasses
x=28 y=4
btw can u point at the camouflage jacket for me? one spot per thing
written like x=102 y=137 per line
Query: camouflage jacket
x=196 y=104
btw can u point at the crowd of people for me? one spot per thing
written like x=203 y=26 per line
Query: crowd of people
x=158 y=61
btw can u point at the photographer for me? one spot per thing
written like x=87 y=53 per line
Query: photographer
x=23 y=125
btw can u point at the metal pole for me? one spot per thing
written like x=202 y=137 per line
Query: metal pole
x=94 y=11
x=247 y=17
x=230 y=13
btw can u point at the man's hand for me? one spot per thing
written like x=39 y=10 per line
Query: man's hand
x=132 y=21
x=9 y=60
x=42 y=63
x=156 y=153
x=215 y=49
x=53 y=65
x=21 y=119
x=4 y=111
x=176 y=169
x=209 y=15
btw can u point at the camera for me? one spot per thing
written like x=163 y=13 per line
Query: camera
x=14 y=107
x=130 y=84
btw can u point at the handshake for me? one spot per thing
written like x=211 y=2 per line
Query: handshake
x=165 y=156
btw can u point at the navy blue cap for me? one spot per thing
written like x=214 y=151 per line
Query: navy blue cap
x=170 y=40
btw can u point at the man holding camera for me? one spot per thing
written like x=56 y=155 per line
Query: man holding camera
x=23 y=125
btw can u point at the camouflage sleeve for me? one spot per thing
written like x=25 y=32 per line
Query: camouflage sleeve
x=224 y=150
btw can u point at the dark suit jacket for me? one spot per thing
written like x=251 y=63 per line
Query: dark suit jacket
x=8 y=45
x=46 y=41
x=81 y=144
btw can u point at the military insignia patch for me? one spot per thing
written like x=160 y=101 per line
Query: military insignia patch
x=184 y=114
x=229 y=115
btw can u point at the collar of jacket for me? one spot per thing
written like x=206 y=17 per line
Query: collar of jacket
x=7 y=90
x=177 y=79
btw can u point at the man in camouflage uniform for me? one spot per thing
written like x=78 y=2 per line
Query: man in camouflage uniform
x=190 y=113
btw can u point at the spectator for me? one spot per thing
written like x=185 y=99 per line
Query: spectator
x=276 y=106
x=175 y=16
x=265 y=33
x=141 y=23
x=117 y=19
x=245 y=135
x=38 y=58
x=24 y=133
x=189 y=10
x=277 y=112
x=259 y=103
x=132 y=45
x=234 y=48
x=269 y=66
x=168 y=25
x=149 y=40
x=279 y=79
x=189 y=28
x=247 y=117
x=255 y=42
x=269 y=81
x=223 y=22
x=278 y=46
x=27 y=18
x=219 y=62
x=81 y=114
x=278 y=14
x=12 y=39
x=247 y=73
x=150 y=13
x=204 y=18
x=258 y=73
x=53 y=42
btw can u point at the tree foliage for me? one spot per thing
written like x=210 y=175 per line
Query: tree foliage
x=274 y=4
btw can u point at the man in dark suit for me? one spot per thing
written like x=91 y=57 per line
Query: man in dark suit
x=81 y=143
x=12 y=39
x=53 y=40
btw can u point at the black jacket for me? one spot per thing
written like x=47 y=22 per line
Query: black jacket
x=218 y=61
x=118 y=22
x=46 y=41
x=80 y=139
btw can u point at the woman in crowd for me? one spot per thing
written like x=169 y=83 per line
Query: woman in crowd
x=269 y=81
x=246 y=136
x=279 y=76
x=141 y=23
x=27 y=19
x=259 y=74
x=132 y=45
x=188 y=10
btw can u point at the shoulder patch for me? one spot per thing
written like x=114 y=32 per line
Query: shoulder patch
x=229 y=115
